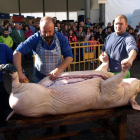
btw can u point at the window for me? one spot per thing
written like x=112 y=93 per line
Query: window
x=61 y=16
x=73 y=16
x=50 y=14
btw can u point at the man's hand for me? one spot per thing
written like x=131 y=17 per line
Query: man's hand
x=103 y=57
x=126 y=64
x=8 y=67
x=23 y=78
x=54 y=74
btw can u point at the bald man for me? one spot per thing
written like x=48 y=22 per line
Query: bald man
x=120 y=47
x=48 y=46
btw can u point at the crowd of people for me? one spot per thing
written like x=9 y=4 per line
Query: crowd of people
x=51 y=39
x=12 y=34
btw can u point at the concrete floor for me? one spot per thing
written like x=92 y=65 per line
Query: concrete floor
x=133 y=122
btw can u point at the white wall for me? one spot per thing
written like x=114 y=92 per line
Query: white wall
x=94 y=15
x=116 y=7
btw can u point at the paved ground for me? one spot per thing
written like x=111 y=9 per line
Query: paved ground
x=133 y=123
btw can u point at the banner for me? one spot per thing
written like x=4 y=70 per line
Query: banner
x=18 y=18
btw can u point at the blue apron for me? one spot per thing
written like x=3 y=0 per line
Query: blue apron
x=46 y=60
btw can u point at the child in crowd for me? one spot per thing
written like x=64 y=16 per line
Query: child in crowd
x=88 y=33
x=6 y=39
x=74 y=29
x=71 y=36
x=93 y=42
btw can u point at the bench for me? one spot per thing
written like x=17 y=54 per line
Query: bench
x=18 y=123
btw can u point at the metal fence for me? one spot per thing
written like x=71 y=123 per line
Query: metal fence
x=85 y=55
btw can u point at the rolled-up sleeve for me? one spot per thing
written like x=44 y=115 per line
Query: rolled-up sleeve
x=131 y=44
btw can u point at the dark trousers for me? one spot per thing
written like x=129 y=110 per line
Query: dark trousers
x=4 y=104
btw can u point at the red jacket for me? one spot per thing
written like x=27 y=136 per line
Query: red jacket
x=71 y=38
x=28 y=33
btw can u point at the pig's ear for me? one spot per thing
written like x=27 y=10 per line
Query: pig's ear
x=134 y=104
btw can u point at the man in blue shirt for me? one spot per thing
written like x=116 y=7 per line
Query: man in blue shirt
x=6 y=56
x=120 y=47
x=47 y=46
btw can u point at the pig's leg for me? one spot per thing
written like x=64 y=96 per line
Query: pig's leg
x=112 y=84
x=15 y=80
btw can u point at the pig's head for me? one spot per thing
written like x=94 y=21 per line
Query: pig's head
x=134 y=87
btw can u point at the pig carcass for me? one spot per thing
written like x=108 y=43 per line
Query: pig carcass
x=74 y=92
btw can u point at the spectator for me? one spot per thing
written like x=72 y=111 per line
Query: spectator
x=91 y=28
x=17 y=35
x=131 y=31
x=137 y=27
x=128 y=27
x=37 y=28
x=136 y=35
x=71 y=36
x=83 y=26
x=120 y=47
x=27 y=34
x=11 y=27
x=69 y=27
x=59 y=27
x=5 y=26
x=6 y=39
x=103 y=26
x=88 y=24
x=65 y=30
x=80 y=34
x=20 y=26
x=109 y=25
x=74 y=29
x=27 y=31
x=88 y=33
x=109 y=31
x=100 y=36
x=76 y=25
x=93 y=49
x=55 y=21
x=30 y=23
x=94 y=30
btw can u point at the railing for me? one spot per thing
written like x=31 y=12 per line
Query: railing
x=85 y=55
